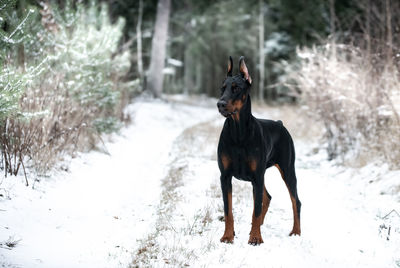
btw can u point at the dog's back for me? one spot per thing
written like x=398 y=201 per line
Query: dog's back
x=278 y=137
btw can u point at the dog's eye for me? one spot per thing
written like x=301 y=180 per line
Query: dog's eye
x=235 y=89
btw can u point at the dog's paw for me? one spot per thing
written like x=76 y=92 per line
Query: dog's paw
x=295 y=232
x=227 y=238
x=255 y=240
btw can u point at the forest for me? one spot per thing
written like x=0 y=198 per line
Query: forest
x=61 y=88
x=133 y=85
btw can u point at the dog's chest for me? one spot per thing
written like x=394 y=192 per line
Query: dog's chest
x=242 y=159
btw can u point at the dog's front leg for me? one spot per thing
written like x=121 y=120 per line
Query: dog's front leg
x=226 y=186
x=255 y=233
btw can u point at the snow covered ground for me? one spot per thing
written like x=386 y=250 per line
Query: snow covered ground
x=154 y=200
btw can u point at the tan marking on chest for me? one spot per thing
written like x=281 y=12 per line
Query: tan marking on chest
x=226 y=161
x=253 y=165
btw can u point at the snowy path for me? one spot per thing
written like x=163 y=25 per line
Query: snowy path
x=341 y=214
x=92 y=216
x=155 y=201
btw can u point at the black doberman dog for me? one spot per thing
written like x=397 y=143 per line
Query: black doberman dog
x=247 y=147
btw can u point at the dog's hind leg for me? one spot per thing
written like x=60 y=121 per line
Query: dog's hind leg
x=289 y=176
x=265 y=204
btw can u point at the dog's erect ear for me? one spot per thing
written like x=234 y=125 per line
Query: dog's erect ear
x=230 y=65
x=243 y=70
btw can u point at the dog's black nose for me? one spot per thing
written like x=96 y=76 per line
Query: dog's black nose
x=221 y=104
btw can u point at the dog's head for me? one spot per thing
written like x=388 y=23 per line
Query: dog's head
x=234 y=90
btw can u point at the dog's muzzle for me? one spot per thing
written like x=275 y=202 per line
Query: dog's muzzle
x=222 y=108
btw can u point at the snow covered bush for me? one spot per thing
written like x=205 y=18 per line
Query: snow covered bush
x=84 y=46
x=70 y=88
x=11 y=85
x=355 y=97
x=84 y=93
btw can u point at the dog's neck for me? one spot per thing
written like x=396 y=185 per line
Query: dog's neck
x=238 y=124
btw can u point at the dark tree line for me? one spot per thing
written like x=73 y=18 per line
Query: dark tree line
x=202 y=34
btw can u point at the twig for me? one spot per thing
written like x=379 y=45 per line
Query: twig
x=392 y=211
x=194 y=223
x=26 y=179
x=1 y=8
x=22 y=23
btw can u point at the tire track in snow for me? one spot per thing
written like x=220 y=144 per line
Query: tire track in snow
x=167 y=244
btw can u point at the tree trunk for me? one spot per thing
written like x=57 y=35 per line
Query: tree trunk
x=368 y=29
x=139 y=42
x=198 y=77
x=188 y=71
x=389 y=33
x=188 y=66
x=158 y=49
x=332 y=26
x=21 y=48
x=261 y=50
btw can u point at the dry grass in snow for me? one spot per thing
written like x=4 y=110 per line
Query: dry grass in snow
x=357 y=100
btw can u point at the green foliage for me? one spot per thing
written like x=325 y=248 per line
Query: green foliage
x=18 y=29
x=61 y=81
x=107 y=125
x=11 y=86
x=85 y=44
x=204 y=33
x=208 y=34
x=303 y=21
